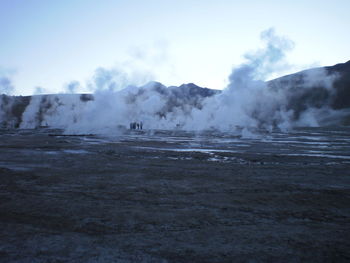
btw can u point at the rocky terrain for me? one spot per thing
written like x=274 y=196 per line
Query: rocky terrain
x=161 y=196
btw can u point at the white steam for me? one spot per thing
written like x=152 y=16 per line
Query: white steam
x=248 y=101
x=6 y=85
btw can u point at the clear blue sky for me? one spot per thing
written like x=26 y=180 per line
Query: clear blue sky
x=49 y=43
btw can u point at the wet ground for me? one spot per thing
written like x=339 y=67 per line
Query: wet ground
x=165 y=196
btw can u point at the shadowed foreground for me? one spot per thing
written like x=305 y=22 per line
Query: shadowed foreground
x=174 y=198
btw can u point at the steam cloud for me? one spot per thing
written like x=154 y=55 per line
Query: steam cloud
x=247 y=103
x=6 y=86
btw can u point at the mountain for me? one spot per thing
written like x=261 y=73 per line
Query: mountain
x=316 y=88
x=323 y=87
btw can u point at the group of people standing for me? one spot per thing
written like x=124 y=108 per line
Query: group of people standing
x=136 y=125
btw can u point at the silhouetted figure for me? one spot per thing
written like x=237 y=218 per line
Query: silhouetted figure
x=136 y=125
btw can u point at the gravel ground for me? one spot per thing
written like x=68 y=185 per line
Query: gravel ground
x=175 y=197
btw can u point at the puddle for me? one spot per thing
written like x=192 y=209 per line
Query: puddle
x=75 y=151
x=345 y=157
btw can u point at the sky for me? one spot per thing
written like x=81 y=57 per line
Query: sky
x=46 y=44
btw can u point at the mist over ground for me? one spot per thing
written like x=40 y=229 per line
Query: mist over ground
x=315 y=97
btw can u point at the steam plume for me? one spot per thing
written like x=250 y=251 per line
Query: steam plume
x=248 y=102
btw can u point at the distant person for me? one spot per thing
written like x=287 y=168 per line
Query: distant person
x=141 y=124
x=137 y=125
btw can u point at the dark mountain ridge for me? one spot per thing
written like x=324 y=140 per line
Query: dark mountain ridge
x=317 y=87
x=323 y=87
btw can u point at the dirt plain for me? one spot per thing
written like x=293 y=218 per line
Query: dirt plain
x=174 y=197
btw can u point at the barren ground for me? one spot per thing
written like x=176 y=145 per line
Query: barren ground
x=175 y=197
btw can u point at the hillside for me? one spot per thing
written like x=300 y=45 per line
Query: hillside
x=321 y=88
